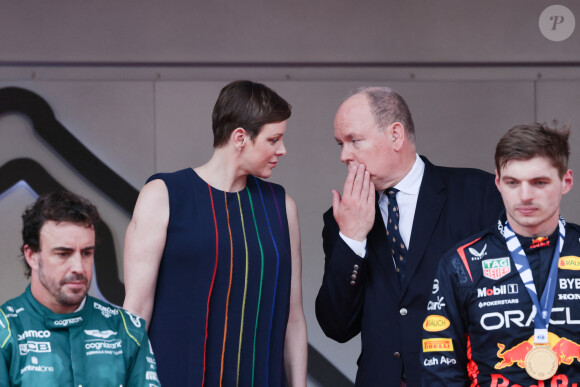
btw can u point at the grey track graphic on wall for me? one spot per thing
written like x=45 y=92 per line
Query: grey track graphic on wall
x=110 y=184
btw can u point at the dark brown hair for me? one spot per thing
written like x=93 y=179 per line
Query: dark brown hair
x=524 y=142
x=59 y=206
x=249 y=105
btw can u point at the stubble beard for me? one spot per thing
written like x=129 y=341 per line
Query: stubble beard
x=58 y=291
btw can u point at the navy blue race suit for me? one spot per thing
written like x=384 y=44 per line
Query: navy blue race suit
x=479 y=324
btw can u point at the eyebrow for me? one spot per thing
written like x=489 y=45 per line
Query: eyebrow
x=533 y=178
x=348 y=136
x=62 y=248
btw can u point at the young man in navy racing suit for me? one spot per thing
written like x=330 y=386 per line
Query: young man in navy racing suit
x=482 y=325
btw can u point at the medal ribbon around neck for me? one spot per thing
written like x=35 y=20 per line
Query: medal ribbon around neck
x=543 y=306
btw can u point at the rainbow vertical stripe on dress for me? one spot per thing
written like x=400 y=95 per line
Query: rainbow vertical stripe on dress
x=222 y=299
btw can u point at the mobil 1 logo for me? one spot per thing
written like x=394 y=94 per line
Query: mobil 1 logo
x=497 y=290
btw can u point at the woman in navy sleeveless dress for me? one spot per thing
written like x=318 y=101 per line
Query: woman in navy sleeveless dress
x=212 y=256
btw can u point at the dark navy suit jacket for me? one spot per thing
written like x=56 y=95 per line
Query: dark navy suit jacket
x=453 y=203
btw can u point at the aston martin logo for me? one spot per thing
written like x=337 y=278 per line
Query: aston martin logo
x=100 y=334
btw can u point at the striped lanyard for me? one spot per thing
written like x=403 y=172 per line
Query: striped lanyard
x=544 y=306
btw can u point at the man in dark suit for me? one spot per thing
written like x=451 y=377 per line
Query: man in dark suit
x=381 y=255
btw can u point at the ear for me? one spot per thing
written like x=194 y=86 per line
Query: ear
x=496 y=179
x=567 y=182
x=31 y=257
x=396 y=134
x=238 y=138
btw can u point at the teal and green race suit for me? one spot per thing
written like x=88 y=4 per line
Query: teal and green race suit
x=99 y=345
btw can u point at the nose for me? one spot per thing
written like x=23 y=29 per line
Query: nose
x=526 y=192
x=281 y=151
x=345 y=154
x=76 y=263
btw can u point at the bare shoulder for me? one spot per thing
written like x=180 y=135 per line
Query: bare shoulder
x=156 y=188
x=291 y=209
x=290 y=202
x=153 y=196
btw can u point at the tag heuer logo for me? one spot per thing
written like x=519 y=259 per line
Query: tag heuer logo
x=496 y=268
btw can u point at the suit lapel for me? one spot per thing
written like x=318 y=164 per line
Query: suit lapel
x=431 y=200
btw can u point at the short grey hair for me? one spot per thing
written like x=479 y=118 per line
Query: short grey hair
x=388 y=107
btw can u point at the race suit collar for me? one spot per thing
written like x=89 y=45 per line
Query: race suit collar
x=539 y=243
x=55 y=320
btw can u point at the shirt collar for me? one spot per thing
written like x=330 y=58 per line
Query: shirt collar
x=411 y=183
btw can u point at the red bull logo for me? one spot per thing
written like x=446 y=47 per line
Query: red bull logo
x=556 y=381
x=566 y=350
x=539 y=242
x=516 y=354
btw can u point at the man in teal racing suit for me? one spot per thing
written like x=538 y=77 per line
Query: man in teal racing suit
x=54 y=334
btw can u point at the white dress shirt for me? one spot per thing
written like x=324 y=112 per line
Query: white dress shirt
x=406 y=200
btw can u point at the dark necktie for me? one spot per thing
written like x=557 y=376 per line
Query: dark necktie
x=398 y=249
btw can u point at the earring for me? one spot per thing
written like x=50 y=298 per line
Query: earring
x=239 y=149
